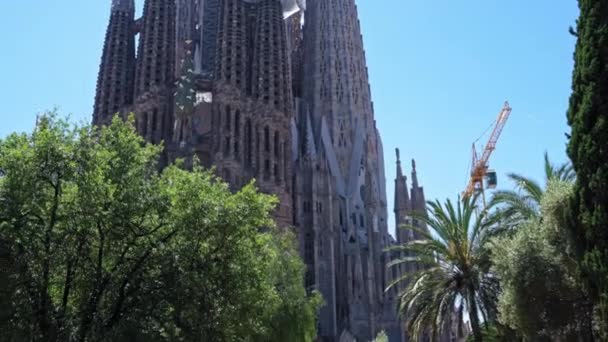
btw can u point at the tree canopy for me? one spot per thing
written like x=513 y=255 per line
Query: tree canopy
x=454 y=277
x=101 y=246
x=542 y=296
x=588 y=117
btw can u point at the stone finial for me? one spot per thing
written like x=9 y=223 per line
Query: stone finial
x=414 y=175
x=123 y=5
x=399 y=170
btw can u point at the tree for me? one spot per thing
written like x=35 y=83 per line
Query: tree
x=106 y=248
x=455 y=270
x=516 y=207
x=381 y=337
x=495 y=332
x=588 y=117
x=542 y=297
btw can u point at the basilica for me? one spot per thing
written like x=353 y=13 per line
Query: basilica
x=276 y=91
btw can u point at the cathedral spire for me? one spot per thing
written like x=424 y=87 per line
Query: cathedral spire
x=399 y=170
x=156 y=57
x=414 y=175
x=418 y=200
x=123 y=5
x=155 y=71
x=402 y=201
x=117 y=68
x=271 y=85
x=335 y=79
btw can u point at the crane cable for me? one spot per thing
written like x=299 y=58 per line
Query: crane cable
x=486 y=131
x=468 y=176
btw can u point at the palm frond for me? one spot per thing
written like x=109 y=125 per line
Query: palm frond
x=549 y=169
x=566 y=173
x=530 y=187
x=510 y=205
x=453 y=261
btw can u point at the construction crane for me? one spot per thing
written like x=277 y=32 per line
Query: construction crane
x=480 y=165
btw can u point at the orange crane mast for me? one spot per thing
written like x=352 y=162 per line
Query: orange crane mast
x=480 y=165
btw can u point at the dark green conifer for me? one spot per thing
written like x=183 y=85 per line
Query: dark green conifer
x=588 y=149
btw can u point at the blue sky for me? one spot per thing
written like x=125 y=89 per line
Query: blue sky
x=440 y=71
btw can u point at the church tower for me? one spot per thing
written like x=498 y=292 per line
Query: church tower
x=117 y=68
x=403 y=208
x=407 y=207
x=155 y=71
x=253 y=101
x=335 y=97
x=276 y=91
x=402 y=202
x=335 y=73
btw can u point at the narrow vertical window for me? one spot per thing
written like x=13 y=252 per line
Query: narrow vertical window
x=228 y=121
x=276 y=144
x=266 y=139
x=248 y=143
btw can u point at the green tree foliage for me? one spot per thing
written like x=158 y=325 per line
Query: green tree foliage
x=381 y=337
x=542 y=297
x=588 y=117
x=495 y=332
x=515 y=207
x=103 y=247
x=455 y=270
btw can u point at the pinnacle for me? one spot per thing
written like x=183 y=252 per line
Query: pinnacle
x=399 y=170
x=123 y=5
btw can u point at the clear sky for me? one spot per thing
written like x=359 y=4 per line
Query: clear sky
x=440 y=71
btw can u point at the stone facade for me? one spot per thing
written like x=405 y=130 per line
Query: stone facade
x=276 y=91
x=115 y=82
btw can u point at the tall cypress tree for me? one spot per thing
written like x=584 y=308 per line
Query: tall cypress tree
x=588 y=149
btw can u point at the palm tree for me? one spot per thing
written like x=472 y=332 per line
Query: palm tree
x=516 y=206
x=454 y=273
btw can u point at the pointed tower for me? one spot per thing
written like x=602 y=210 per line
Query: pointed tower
x=294 y=40
x=336 y=92
x=335 y=74
x=418 y=200
x=207 y=28
x=253 y=102
x=155 y=71
x=271 y=78
x=402 y=202
x=117 y=68
x=186 y=17
x=233 y=50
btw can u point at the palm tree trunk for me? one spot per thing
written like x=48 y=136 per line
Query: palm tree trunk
x=477 y=336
